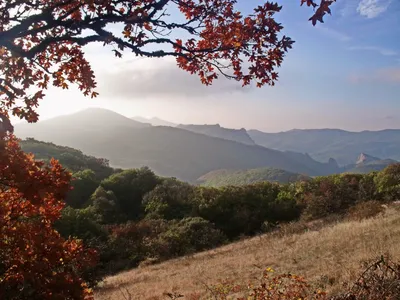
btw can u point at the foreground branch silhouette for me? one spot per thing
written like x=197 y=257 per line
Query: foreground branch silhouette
x=41 y=42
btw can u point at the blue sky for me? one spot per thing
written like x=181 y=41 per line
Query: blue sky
x=344 y=73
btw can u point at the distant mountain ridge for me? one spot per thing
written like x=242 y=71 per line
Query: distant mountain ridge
x=237 y=135
x=343 y=146
x=168 y=151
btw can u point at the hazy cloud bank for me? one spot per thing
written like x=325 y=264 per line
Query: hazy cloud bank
x=161 y=78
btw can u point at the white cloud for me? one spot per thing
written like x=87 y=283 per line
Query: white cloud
x=372 y=8
x=348 y=7
x=140 y=78
x=383 y=51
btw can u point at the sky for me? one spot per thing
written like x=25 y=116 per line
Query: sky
x=343 y=74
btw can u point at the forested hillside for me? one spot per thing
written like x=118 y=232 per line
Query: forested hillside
x=71 y=159
x=135 y=217
x=220 y=178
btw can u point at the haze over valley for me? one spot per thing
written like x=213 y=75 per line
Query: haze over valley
x=191 y=151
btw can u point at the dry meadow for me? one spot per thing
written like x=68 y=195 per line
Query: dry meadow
x=329 y=257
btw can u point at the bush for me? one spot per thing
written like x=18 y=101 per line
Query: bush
x=131 y=243
x=379 y=280
x=187 y=236
x=329 y=195
x=242 y=210
x=365 y=210
x=271 y=286
x=388 y=182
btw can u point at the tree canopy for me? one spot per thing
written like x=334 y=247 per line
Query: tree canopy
x=35 y=261
x=41 y=42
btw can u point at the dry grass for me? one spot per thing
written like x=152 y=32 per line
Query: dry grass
x=329 y=256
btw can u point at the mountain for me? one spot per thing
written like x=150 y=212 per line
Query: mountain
x=168 y=151
x=240 y=136
x=154 y=121
x=343 y=146
x=365 y=159
x=86 y=120
x=220 y=178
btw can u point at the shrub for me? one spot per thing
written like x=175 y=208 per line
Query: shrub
x=187 y=236
x=379 y=280
x=271 y=286
x=242 y=210
x=131 y=243
x=329 y=195
x=365 y=210
x=388 y=182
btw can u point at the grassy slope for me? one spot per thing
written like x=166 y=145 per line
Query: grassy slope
x=334 y=251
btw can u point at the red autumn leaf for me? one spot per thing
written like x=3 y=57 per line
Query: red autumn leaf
x=32 y=254
x=41 y=38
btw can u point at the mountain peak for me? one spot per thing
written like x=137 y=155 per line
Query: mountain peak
x=365 y=158
x=155 y=121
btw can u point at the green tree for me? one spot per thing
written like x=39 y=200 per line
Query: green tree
x=238 y=210
x=129 y=188
x=84 y=183
x=171 y=199
x=388 y=182
x=104 y=205
x=187 y=236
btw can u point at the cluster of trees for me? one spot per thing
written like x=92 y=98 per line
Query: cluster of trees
x=220 y=178
x=134 y=217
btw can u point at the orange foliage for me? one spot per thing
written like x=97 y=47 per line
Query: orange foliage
x=35 y=261
x=41 y=42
